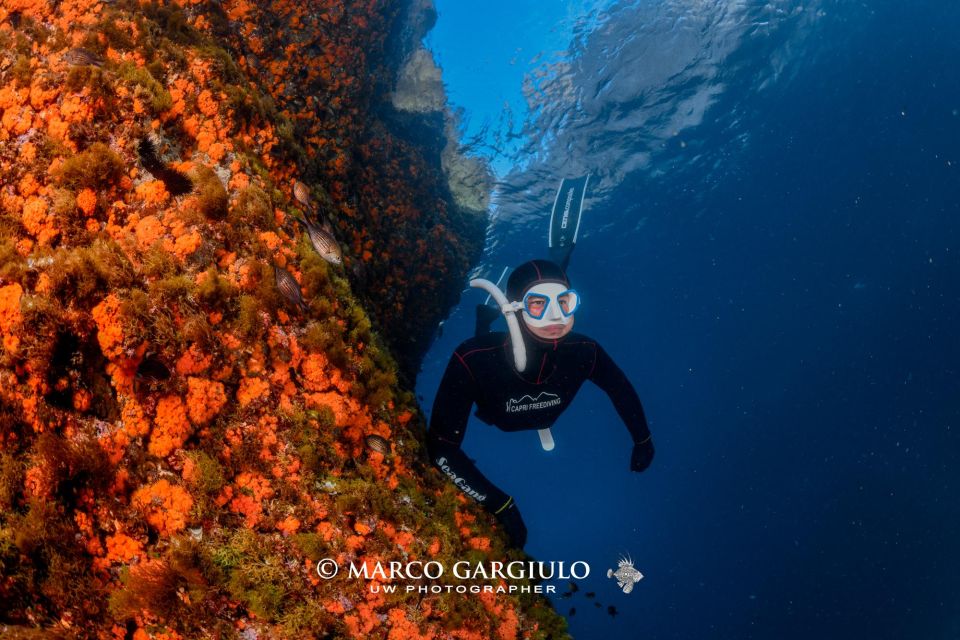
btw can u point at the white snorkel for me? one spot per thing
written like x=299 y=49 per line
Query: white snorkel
x=510 y=314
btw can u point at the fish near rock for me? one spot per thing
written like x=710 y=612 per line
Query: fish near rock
x=79 y=57
x=302 y=193
x=378 y=443
x=323 y=241
x=290 y=288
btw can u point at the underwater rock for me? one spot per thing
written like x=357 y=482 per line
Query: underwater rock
x=419 y=89
x=419 y=85
x=177 y=450
x=469 y=178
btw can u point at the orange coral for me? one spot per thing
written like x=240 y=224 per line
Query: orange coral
x=289 y=525
x=186 y=244
x=10 y=307
x=193 y=361
x=171 y=427
x=165 y=506
x=87 y=201
x=149 y=229
x=251 y=389
x=109 y=329
x=205 y=398
x=123 y=548
x=153 y=192
x=37 y=220
x=248 y=496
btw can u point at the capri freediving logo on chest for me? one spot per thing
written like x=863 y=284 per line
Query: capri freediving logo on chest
x=544 y=400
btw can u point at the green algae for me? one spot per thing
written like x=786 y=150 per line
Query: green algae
x=21 y=72
x=97 y=168
x=254 y=571
x=212 y=199
x=146 y=86
x=80 y=276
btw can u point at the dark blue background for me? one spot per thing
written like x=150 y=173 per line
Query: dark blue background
x=781 y=285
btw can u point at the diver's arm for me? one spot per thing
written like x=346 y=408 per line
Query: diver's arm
x=448 y=426
x=609 y=377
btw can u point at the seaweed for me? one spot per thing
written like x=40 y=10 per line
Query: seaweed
x=252 y=210
x=254 y=571
x=80 y=276
x=155 y=587
x=22 y=72
x=11 y=481
x=97 y=168
x=216 y=292
x=72 y=465
x=212 y=197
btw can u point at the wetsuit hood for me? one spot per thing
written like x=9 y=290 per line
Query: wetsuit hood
x=525 y=277
x=529 y=274
x=533 y=273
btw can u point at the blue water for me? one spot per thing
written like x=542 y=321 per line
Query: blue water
x=770 y=252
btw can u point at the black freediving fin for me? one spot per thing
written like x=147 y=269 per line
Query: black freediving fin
x=565 y=219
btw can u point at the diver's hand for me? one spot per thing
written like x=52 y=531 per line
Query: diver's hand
x=642 y=455
x=512 y=523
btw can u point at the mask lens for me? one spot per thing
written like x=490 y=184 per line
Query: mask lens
x=535 y=305
x=569 y=301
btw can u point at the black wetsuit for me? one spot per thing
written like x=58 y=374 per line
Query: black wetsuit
x=481 y=371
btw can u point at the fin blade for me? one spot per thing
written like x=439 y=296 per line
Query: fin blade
x=566 y=216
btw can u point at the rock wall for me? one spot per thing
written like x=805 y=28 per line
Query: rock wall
x=195 y=406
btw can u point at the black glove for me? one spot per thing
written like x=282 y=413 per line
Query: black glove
x=509 y=516
x=642 y=455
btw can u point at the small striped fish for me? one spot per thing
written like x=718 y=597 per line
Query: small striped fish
x=81 y=58
x=289 y=287
x=378 y=443
x=323 y=241
x=302 y=193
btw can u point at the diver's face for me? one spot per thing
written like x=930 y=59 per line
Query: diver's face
x=548 y=310
x=552 y=331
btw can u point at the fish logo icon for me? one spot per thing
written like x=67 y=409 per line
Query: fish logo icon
x=625 y=574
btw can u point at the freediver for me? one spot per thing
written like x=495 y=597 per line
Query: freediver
x=523 y=380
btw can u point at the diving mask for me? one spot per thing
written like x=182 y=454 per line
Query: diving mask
x=549 y=303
